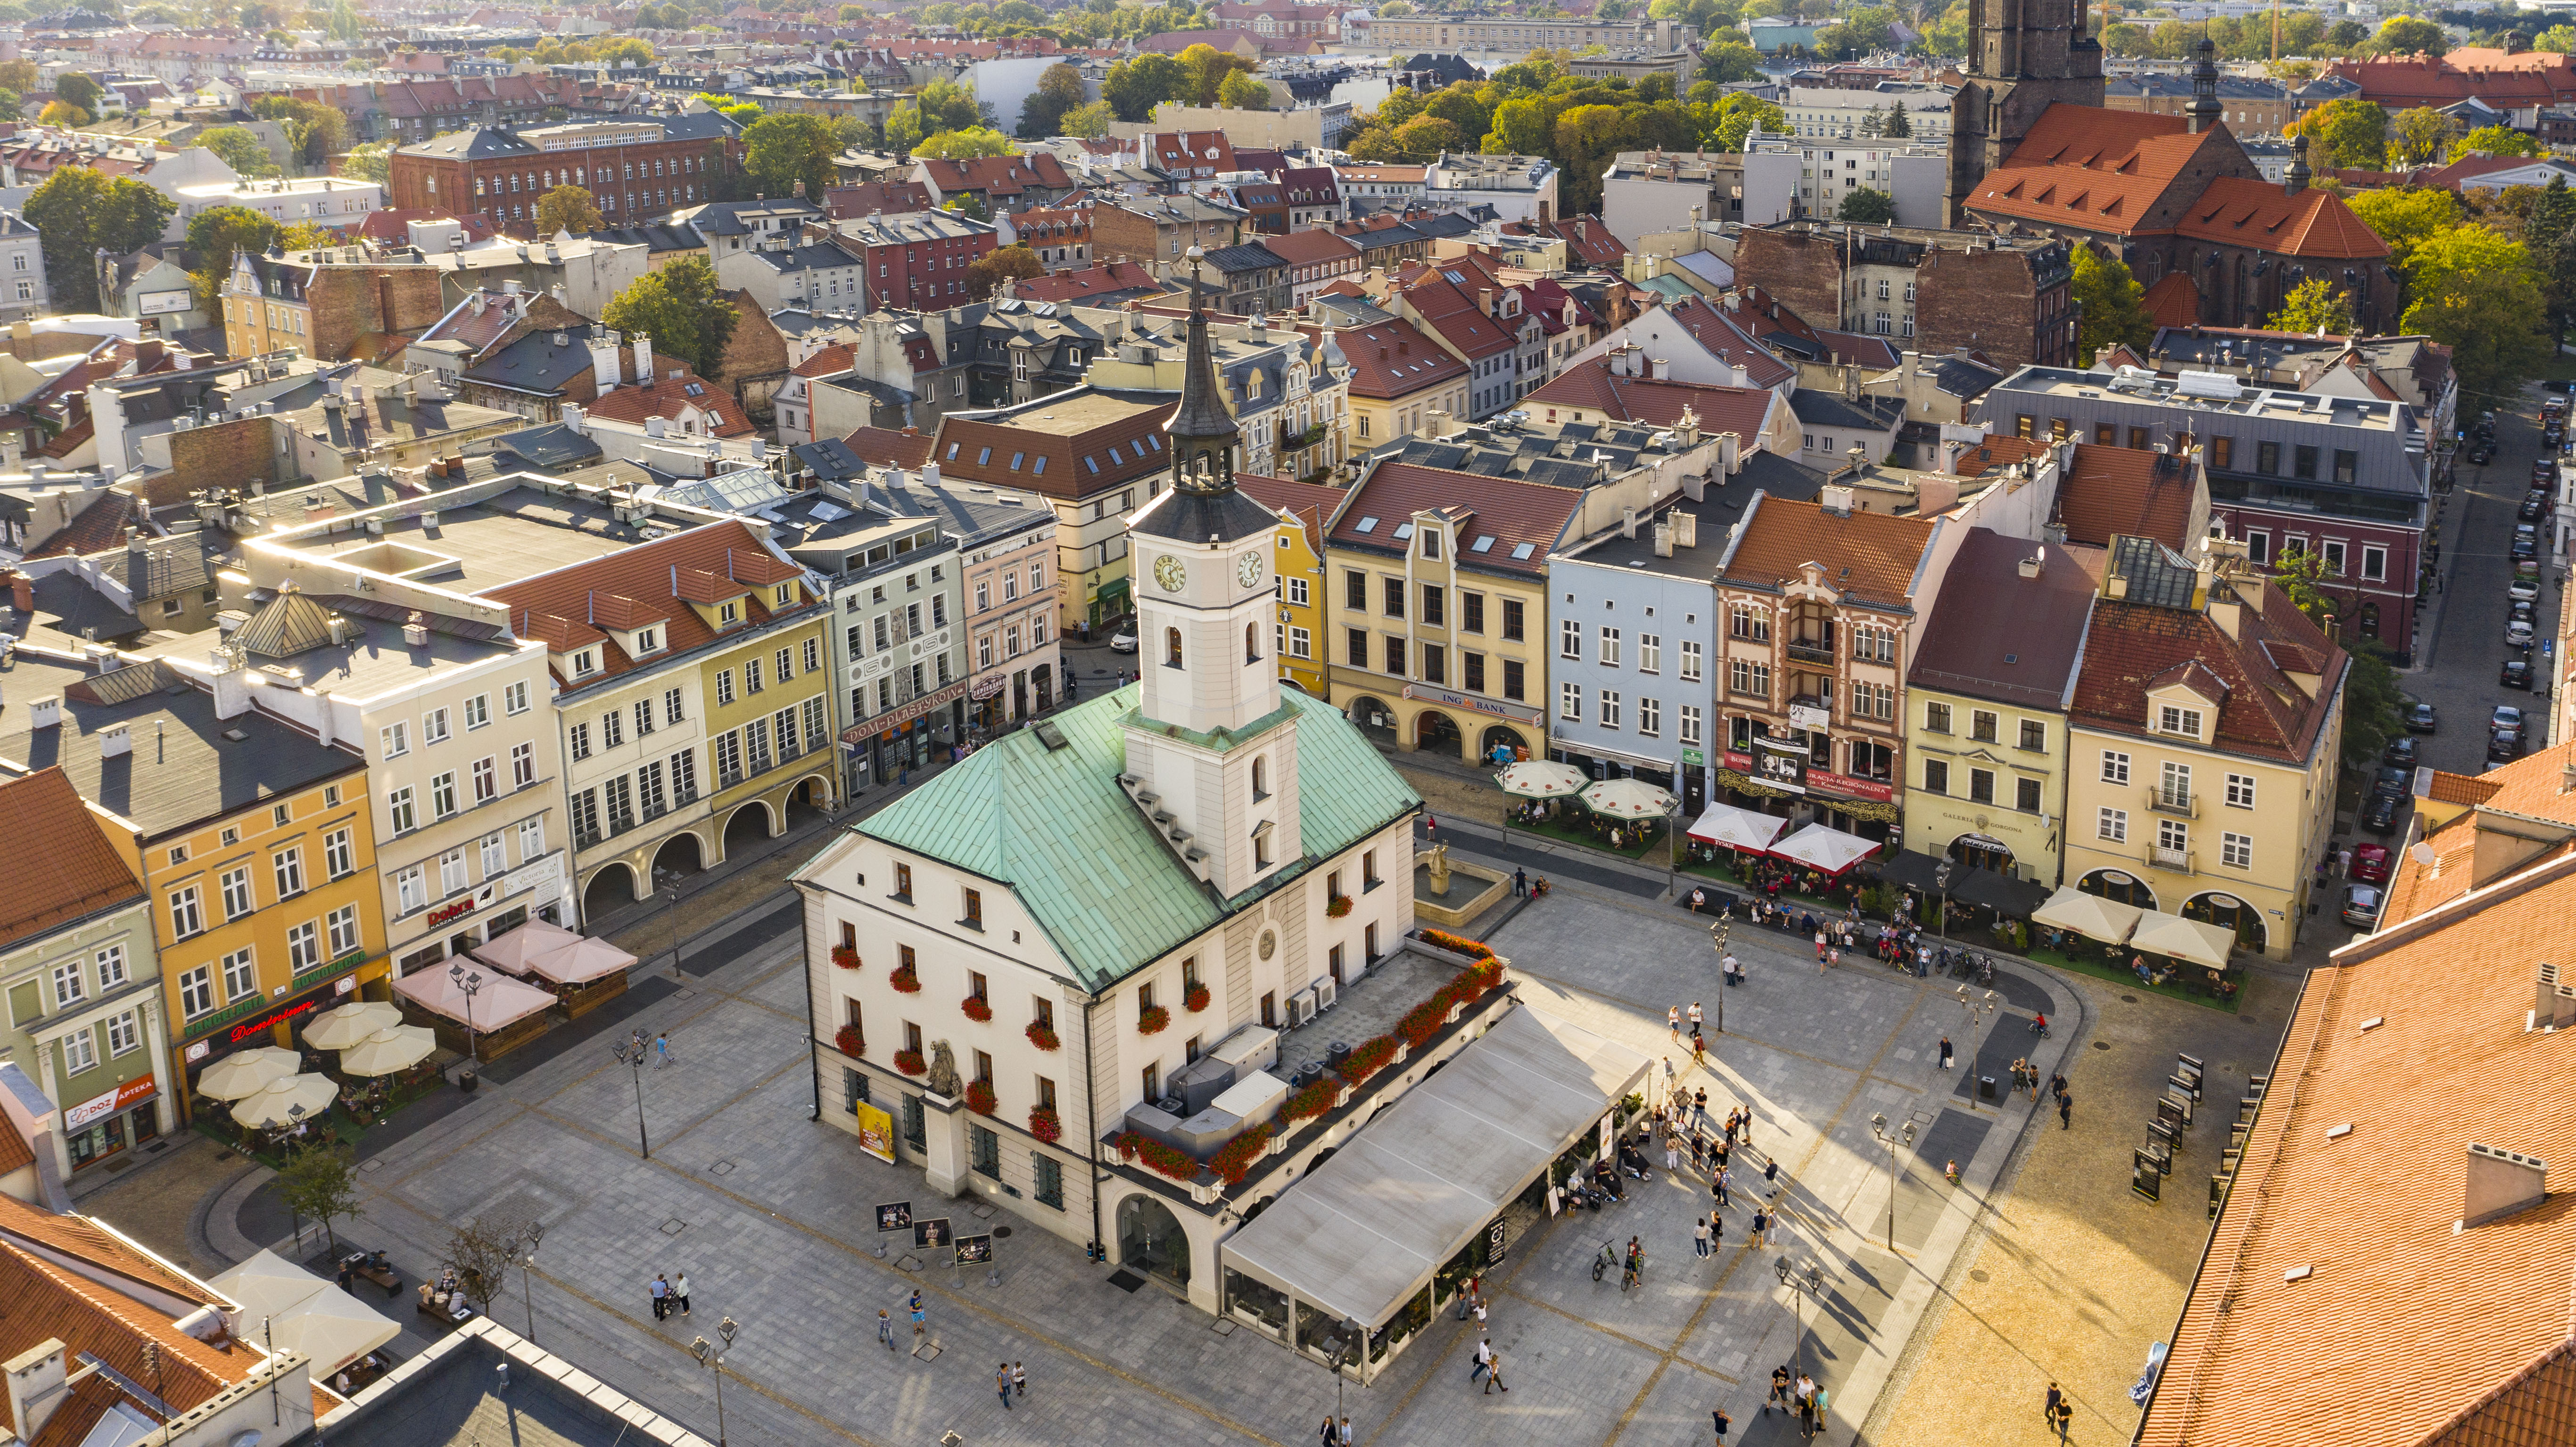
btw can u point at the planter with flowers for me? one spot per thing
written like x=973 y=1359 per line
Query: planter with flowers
x=1046 y=1125
x=1368 y=1058
x=847 y=1041
x=1042 y=1037
x=1341 y=905
x=1196 y=999
x=907 y=981
x=1313 y=1101
x=1153 y=1020
x=980 y=1098
x=1234 y=1161
x=845 y=956
x=910 y=1062
x=1163 y=1160
x=977 y=1008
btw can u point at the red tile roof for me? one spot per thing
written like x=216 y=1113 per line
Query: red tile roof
x=2507 y=82
x=1514 y=514
x=1719 y=330
x=1187 y=152
x=703 y=565
x=1447 y=308
x=2173 y=301
x=1590 y=385
x=2265 y=713
x=1870 y=556
x=894 y=198
x=831 y=361
x=47 y=1301
x=1393 y=358
x=1069 y=286
x=2127 y=491
x=75 y=874
x=671 y=397
x=2248 y=211
x=1312 y=246
x=1001 y=176
x=1311 y=502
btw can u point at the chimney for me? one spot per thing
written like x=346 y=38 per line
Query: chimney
x=232 y=683
x=2030 y=566
x=1628 y=523
x=1742 y=377
x=415 y=630
x=1837 y=500
x=46 y=712
x=1663 y=369
x=116 y=741
x=36 y=1387
x=1685 y=528
x=643 y=357
x=576 y=418
x=1664 y=539
x=2500 y=1183
x=1730 y=456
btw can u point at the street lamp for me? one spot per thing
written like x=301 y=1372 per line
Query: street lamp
x=527 y=1254
x=471 y=982
x=1717 y=941
x=1979 y=1008
x=711 y=1355
x=630 y=1053
x=1801 y=1279
x=671 y=912
x=1941 y=909
x=1349 y=1339
x=1905 y=1137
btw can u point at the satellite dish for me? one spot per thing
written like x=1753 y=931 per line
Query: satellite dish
x=2421 y=853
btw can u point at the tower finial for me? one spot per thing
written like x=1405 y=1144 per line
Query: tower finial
x=1202 y=431
x=2203 y=110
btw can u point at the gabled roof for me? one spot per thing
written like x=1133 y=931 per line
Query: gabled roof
x=2126 y=491
x=75 y=874
x=1052 y=826
x=1117 y=279
x=703 y=565
x=1740 y=410
x=1311 y=502
x=2266 y=713
x=1718 y=330
x=671 y=395
x=1513 y=527
x=1392 y=358
x=2174 y=301
x=2244 y=211
x=1996 y=634
x=1005 y=176
x=2100 y=170
x=1871 y=557
x=907 y=450
x=1312 y=246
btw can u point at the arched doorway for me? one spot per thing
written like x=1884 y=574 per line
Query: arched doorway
x=749 y=825
x=612 y=887
x=1151 y=1242
x=2228 y=912
x=1979 y=851
x=680 y=854
x=1042 y=687
x=2120 y=885
x=1435 y=732
x=1375 y=720
x=1499 y=737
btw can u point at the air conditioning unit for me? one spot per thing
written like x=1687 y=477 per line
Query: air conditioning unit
x=1301 y=1008
x=1325 y=993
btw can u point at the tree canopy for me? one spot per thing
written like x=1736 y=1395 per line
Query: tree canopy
x=683 y=309
x=966 y=144
x=1867 y=207
x=782 y=151
x=2109 y=296
x=240 y=150
x=78 y=213
x=2316 y=305
x=567 y=208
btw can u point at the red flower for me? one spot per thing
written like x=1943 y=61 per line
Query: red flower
x=980 y=1098
x=1368 y=1058
x=1045 y=1125
x=1153 y=1020
x=907 y=981
x=1197 y=998
x=846 y=957
x=1340 y=906
x=1163 y=1159
x=847 y=1041
x=1234 y=1162
x=910 y=1062
x=1042 y=1037
x=1312 y=1101
x=977 y=1008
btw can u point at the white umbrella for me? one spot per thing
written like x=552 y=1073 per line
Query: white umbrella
x=342 y=1026
x=399 y=1048
x=1820 y=847
x=1628 y=799
x=1738 y=828
x=2184 y=939
x=1540 y=779
x=244 y=1072
x=2089 y=915
x=278 y=1102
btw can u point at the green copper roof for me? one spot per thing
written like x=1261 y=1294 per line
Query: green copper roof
x=1053 y=825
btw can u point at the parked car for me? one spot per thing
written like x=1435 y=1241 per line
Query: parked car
x=2360 y=906
x=2534 y=508
x=2516 y=674
x=2482 y=454
x=2400 y=752
x=2370 y=863
x=2521 y=612
x=2522 y=590
x=1123 y=641
x=2379 y=813
x=2517 y=635
x=2504 y=716
x=2422 y=719
x=2504 y=746
x=2524 y=545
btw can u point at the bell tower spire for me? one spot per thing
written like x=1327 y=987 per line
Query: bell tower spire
x=1203 y=433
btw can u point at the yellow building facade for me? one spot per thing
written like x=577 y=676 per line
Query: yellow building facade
x=769 y=727
x=1303 y=637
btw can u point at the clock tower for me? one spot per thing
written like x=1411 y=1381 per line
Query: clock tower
x=1211 y=744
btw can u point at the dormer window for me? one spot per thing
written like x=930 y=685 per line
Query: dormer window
x=647 y=640
x=1430 y=544
x=2183 y=721
x=783 y=594
x=728 y=614
x=585 y=663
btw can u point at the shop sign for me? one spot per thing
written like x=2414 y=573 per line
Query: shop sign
x=248 y=1028
x=884 y=724
x=540 y=875
x=989 y=686
x=1471 y=704
x=100 y=1107
x=1808 y=716
x=1780 y=763
x=2113 y=876
x=1693 y=757
x=1494 y=1242
x=457 y=910
x=162 y=303
x=1811 y=780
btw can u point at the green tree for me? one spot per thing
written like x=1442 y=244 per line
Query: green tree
x=2352 y=133
x=1587 y=139
x=2559 y=39
x=683 y=309
x=2476 y=293
x=2345 y=36
x=2405 y=219
x=1948 y=36
x=2316 y=305
x=2372 y=704
x=2497 y=141
x=1736 y=117
x=63 y=113
x=1018 y=263
x=1866 y=207
x=214 y=236
x=2415 y=137
x=1091 y=122
x=903 y=129
x=1134 y=87
x=1059 y=90
x=78 y=91
x=781 y=151
x=1239 y=91
x=948 y=106
x=77 y=213
x=1203 y=69
x=567 y=208
x=2406 y=35
x=370 y=162
x=322 y=1182
x=240 y=150
x=2109 y=296
x=1899 y=126
x=966 y=144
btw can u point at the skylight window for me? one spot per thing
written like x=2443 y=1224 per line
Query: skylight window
x=1367 y=525
x=1403 y=531
x=1088 y=462
x=1522 y=551
x=1484 y=544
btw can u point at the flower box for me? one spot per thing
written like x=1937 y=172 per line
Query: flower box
x=1340 y=906
x=1153 y=1021
x=980 y=1098
x=1163 y=1160
x=977 y=1008
x=907 y=982
x=846 y=957
x=1046 y=1125
x=1368 y=1058
x=1196 y=1000
x=847 y=1041
x=1042 y=1037
x=910 y=1062
x=1313 y=1101
x=1234 y=1161
x=1455 y=944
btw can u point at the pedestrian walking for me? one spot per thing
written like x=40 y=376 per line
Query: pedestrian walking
x=1952 y=1171
x=1328 y=1437
x=1761 y=1224
x=662 y=1048
x=1002 y=1384
x=1698 y=1153
x=1771 y=1175
x=2057 y=1086
x=1833 y=959
x=1779 y=1390
x=661 y=1293
x=2048 y=1412
x=1945 y=1052
x=1699 y=1103
x=1820 y=952
x=2065 y=1110
x=1484 y=1359
x=680 y=1292
x=1699 y=1237
x=1019 y=1380
x=1718 y=1186
x=885 y=1328
x=1479 y=1311
x=1695 y=1017
x=1347 y=1438
x=1493 y=1371
x=1716 y=1233
x=1668 y=1077
x=1673 y=1022
x=1719 y=1419
x=1520 y=884
x=920 y=1321
x=1727 y=970
x=1699 y=1051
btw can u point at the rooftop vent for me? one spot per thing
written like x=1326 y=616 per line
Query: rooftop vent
x=2500 y=1183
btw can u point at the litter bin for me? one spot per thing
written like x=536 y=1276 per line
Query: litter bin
x=1985 y=1087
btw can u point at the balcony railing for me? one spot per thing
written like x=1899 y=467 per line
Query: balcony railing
x=1806 y=652
x=2177 y=860
x=727 y=778
x=2181 y=802
x=581 y=840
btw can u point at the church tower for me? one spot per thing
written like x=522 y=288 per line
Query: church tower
x=2023 y=57
x=1211 y=745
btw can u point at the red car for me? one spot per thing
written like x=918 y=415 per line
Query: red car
x=2370 y=863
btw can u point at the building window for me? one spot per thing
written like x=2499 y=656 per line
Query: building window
x=1609 y=709
x=1569 y=701
x=2034 y=736
x=2113 y=826
x=2115 y=767
x=2240 y=791
x=1569 y=639
x=2026 y=795
x=2183 y=721
x=197 y=991
x=111 y=967
x=1047 y=1183
x=1936 y=718
x=1690 y=662
x=289 y=867
x=1981 y=786
x=236 y=891
x=1936 y=776
x=241 y=981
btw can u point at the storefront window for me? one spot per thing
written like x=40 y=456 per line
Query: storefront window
x=1258 y=1302
x=915 y=1130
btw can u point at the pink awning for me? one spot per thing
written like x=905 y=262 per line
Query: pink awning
x=512 y=951
x=498 y=1001
x=583 y=960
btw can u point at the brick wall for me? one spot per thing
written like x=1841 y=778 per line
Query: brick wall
x=1121 y=235
x=1984 y=300
x=238 y=454
x=349 y=303
x=1803 y=272
x=755 y=359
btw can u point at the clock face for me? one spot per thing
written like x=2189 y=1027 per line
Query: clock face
x=1169 y=572
x=1247 y=569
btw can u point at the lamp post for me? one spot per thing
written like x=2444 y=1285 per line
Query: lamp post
x=1878 y=1127
x=1717 y=941
x=527 y=1254
x=471 y=982
x=712 y=1356
x=671 y=912
x=1979 y=1008
x=1349 y=1340
x=1941 y=907
x=630 y=1053
x=1801 y=1279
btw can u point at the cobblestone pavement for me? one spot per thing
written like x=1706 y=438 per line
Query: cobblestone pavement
x=768 y=1213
